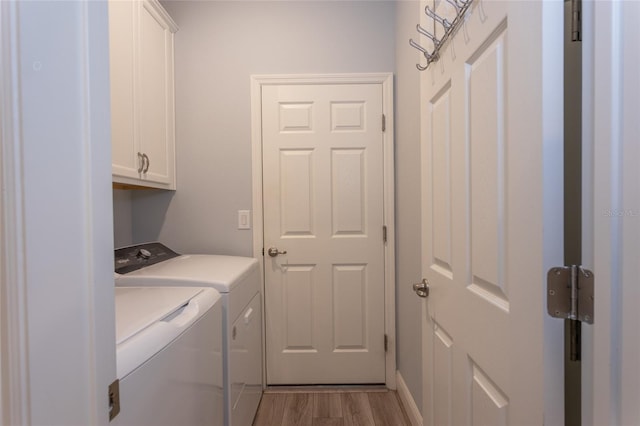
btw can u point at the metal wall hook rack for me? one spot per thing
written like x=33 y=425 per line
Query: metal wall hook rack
x=460 y=7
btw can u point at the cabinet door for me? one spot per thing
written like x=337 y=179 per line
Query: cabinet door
x=155 y=107
x=125 y=161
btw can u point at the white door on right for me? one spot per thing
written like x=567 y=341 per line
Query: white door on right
x=491 y=111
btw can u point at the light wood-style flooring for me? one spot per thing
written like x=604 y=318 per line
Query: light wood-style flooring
x=320 y=407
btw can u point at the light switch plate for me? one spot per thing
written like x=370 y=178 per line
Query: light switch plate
x=244 y=219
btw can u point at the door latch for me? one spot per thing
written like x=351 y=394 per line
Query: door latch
x=114 y=399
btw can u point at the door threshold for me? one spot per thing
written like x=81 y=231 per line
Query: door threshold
x=325 y=388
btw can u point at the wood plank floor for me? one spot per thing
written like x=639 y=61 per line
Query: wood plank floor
x=331 y=408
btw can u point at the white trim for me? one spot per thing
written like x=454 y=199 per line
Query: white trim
x=14 y=368
x=386 y=80
x=409 y=404
x=610 y=378
x=163 y=14
x=98 y=210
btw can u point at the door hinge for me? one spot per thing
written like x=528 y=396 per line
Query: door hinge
x=570 y=293
x=384 y=123
x=386 y=343
x=114 y=399
x=576 y=20
x=384 y=233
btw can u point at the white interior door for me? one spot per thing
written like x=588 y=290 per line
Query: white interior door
x=492 y=217
x=323 y=205
x=611 y=206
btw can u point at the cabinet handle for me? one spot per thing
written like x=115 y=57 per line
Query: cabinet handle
x=140 y=163
x=146 y=159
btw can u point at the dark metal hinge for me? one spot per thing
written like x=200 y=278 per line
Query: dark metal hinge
x=576 y=20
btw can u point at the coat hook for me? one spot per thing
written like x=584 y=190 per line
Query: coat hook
x=433 y=38
x=446 y=24
x=420 y=48
x=425 y=52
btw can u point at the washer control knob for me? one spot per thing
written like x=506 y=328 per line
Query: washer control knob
x=143 y=254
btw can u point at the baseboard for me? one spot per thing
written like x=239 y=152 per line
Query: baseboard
x=407 y=401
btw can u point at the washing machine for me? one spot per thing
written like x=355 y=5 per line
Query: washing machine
x=169 y=356
x=237 y=279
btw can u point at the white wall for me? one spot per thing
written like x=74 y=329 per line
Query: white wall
x=408 y=247
x=219 y=45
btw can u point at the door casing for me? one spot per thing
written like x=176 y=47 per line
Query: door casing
x=386 y=81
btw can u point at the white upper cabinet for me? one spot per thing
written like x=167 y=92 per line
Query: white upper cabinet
x=142 y=94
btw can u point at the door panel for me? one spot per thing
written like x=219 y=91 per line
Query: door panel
x=485 y=94
x=323 y=205
x=443 y=380
x=485 y=231
x=156 y=93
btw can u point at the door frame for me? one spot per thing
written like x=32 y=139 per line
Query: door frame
x=14 y=386
x=86 y=353
x=610 y=380
x=386 y=81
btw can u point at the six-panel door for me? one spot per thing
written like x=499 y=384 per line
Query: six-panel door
x=492 y=217
x=323 y=205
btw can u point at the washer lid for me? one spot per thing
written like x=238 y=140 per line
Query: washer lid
x=140 y=307
x=217 y=271
x=148 y=319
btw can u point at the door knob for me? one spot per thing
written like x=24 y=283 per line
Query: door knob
x=273 y=252
x=422 y=288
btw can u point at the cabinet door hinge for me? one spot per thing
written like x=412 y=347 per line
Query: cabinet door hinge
x=384 y=123
x=114 y=399
x=570 y=293
x=386 y=343
x=384 y=233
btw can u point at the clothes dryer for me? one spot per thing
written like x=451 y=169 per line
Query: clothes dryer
x=237 y=279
